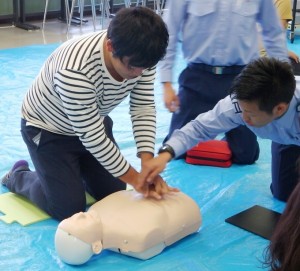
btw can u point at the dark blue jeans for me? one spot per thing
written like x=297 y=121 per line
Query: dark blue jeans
x=64 y=170
x=200 y=91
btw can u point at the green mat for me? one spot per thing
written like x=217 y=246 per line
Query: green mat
x=16 y=208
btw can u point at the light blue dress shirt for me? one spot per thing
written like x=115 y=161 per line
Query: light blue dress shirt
x=221 y=32
x=225 y=117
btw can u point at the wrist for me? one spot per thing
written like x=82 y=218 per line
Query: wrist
x=130 y=177
x=167 y=149
x=167 y=85
x=164 y=158
x=144 y=156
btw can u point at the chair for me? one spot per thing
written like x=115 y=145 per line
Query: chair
x=157 y=4
x=127 y=3
x=105 y=11
x=69 y=12
x=46 y=10
x=81 y=8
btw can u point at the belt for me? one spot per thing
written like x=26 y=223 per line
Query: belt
x=235 y=69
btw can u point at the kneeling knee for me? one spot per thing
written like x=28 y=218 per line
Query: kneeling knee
x=245 y=158
x=67 y=210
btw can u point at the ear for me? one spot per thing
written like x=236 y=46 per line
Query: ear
x=109 y=46
x=280 y=109
x=97 y=247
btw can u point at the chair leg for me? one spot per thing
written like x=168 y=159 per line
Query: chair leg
x=163 y=6
x=102 y=10
x=70 y=16
x=67 y=11
x=105 y=12
x=93 y=13
x=107 y=8
x=158 y=6
x=45 y=13
x=127 y=3
x=81 y=8
x=143 y=2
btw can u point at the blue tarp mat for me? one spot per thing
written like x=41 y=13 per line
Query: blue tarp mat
x=220 y=192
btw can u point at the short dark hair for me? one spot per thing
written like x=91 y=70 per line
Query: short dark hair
x=267 y=81
x=140 y=34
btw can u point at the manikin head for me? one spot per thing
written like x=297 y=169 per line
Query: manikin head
x=79 y=237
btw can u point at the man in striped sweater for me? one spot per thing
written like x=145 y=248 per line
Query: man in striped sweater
x=65 y=122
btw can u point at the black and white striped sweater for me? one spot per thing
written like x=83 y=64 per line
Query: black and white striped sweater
x=74 y=92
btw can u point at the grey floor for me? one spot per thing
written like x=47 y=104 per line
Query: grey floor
x=54 y=31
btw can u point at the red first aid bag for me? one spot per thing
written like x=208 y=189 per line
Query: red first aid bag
x=210 y=153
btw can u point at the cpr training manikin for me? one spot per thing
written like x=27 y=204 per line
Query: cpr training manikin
x=127 y=223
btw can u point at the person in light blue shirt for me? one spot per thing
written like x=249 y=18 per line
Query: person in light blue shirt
x=219 y=37
x=263 y=98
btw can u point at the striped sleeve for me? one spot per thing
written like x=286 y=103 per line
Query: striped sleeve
x=143 y=112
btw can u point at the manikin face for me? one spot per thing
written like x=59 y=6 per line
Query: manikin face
x=253 y=116
x=84 y=225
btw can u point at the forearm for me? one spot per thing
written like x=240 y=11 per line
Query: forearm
x=272 y=32
x=130 y=177
x=174 y=17
x=143 y=114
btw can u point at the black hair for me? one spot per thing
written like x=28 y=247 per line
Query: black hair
x=140 y=34
x=267 y=81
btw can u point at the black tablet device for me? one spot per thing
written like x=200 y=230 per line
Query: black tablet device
x=257 y=219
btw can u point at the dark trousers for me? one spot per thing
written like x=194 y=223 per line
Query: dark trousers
x=296 y=66
x=64 y=171
x=199 y=91
x=285 y=174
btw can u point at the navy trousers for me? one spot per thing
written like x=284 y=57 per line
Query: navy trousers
x=64 y=170
x=285 y=173
x=199 y=91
